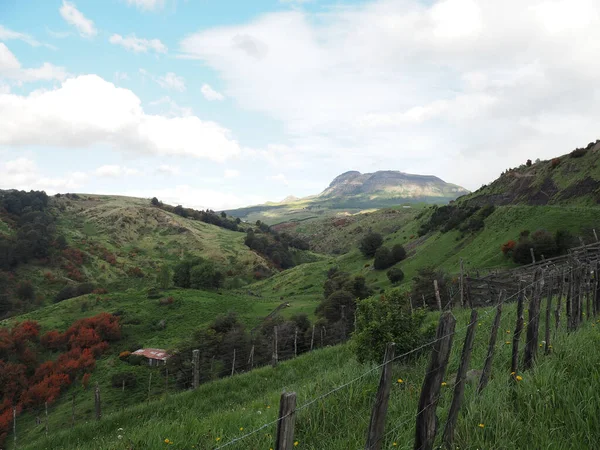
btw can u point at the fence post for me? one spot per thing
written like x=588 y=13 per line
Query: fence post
x=595 y=235
x=149 y=384
x=532 y=254
x=233 y=363
x=533 y=322
x=72 y=409
x=426 y=426
x=437 y=295
x=274 y=357
x=462 y=284
x=588 y=290
x=597 y=287
x=487 y=365
x=97 y=402
x=46 y=407
x=312 y=338
x=285 y=425
x=569 y=298
x=561 y=289
x=15 y=426
x=514 y=365
x=196 y=367
x=251 y=358
x=379 y=413
x=411 y=305
x=167 y=381
x=295 y=342
x=459 y=388
x=548 y=310
x=322 y=330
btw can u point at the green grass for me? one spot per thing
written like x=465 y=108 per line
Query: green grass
x=555 y=406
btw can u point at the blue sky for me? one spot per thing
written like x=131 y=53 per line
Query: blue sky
x=228 y=103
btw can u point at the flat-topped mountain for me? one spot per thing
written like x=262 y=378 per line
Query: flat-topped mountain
x=352 y=192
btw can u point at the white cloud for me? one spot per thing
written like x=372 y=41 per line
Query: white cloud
x=231 y=173
x=210 y=94
x=74 y=17
x=280 y=178
x=166 y=169
x=422 y=84
x=23 y=173
x=121 y=76
x=138 y=45
x=58 y=34
x=114 y=171
x=87 y=111
x=170 y=80
x=10 y=68
x=7 y=35
x=172 y=108
x=147 y=5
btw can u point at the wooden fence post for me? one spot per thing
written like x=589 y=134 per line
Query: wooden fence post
x=462 y=284
x=426 y=426
x=561 y=289
x=251 y=358
x=437 y=295
x=312 y=338
x=15 y=426
x=588 y=291
x=233 y=363
x=274 y=357
x=379 y=413
x=548 y=310
x=97 y=402
x=72 y=409
x=595 y=235
x=569 y=299
x=149 y=384
x=287 y=419
x=295 y=342
x=46 y=407
x=322 y=331
x=411 y=305
x=459 y=388
x=532 y=255
x=597 y=287
x=514 y=365
x=533 y=322
x=487 y=365
x=196 y=368
x=167 y=381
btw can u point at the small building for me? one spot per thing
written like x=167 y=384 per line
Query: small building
x=155 y=356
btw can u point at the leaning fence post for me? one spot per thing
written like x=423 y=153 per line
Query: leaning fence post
x=595 y=235
x=459 y=388
x=274 y=357
x=233 y=363
x=72 y=409
x=97 y=402
x=426 y=426
x=295 y=342
x=46 y=406
x=532 y=254
x=251 y=358
x=285 y=424
x=312 y=338
x=379 y=413
x=548 y=310
x=196 y=368
x=533 y=322
x=15 y=426
x=487 y=365
x=437 y=295
x=514 y=365
x=462 y=284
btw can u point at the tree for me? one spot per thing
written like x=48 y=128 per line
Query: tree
x=154 y=201
x=163 y=280
x=61 y=242
x=395 y=275
x=383 y=259
x=423 y=286
x=370 y=243
x=398 y=253
x=387 y=318
x=223 y=214
x=204 y=276
x=180 y=211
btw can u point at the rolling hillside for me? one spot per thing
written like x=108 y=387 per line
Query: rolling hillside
x=353 y=192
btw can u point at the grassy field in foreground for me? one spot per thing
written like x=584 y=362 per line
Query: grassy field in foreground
x=555 y=406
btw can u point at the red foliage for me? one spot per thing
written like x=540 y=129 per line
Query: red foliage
x=53 y=340
x=74 y=255
x=46 y=390
x=49 y=276
x=135 y=272
x=554 y=163
x=100 y=291
x=26 y=331
x=85 y=381
x=508 y=247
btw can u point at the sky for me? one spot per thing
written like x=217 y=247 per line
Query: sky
x=220 y=104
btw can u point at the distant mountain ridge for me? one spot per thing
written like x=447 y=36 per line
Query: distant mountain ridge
x=354 y=191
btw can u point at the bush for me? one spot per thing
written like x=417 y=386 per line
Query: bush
x=395 y=275
x=136 y=360
x=204 y=276
x=383 y=259
x=554 y=163
x=528 y=163
x=123 y=356
x=578 y=153
x=128 y=378
x=370 y=243
x=71 y=291
x=153 y=293
x=508 y=247
x=25 y=291
x=386 y=318
x=398 y=253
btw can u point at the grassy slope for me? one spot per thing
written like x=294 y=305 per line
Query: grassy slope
x=521 y=416
x=140 y=236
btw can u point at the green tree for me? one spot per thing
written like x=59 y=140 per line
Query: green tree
x=370 y=243
x=398 y=253
x=154 y=201
x=205 y=276
x=395 y=275
x=163 y=279
x=386 y=318
x=383 y=259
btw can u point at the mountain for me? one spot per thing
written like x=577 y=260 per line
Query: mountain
x=353 y=192
x=572 y=179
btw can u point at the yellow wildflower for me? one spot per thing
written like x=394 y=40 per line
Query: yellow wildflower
x=512 y=373
x=519 y=378
x=444 y=383
x=241 y=428
x=395 y=444
x=400 y=381
x=541 y=345
x=481 y=425
x=167 y=441
x=508 y=331
x=218 y=439
x=296 y=444
x=507 y=342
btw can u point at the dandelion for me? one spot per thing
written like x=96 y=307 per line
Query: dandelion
x=296 y=444
x=400 y=381
x=507 y=331
x=479 y=324
x=549 y=346
x=268 y=407
x=218 y=439
x=507 y=342
x=444 y=383
x=394 y=444
x=481 y=425
x=519 y=378
x=513 y=373
x=241 y=428
x=541 y=345
x=167 y=441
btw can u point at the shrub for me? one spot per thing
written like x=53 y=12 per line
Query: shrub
x=385 y=318
x=127 y=378
x=578 y=153
x=71 y=291
x=124 y=355
x=508 y=247
x=25 y=291
x=370 y=243
x=136 y=360
x=398 y=253
x=383 y=259
x=152 y=293
x=395 y=275
x=554 y=163
x=528 y=163
x=166 y=301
